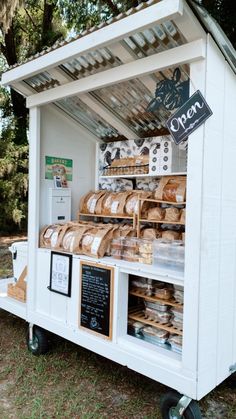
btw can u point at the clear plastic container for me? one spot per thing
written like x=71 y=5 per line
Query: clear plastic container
x=154 y=335
x=145 y=247
x=179 y=296
x=158 y=316
x=135 y=328
x=177 y=323
x=176 y=343
x=117 y=243
x=161 y=252
x=156 y=306
x=164 y=293
x=169 y=253
x=177 y=251
x=116 y=253
x=177 y=313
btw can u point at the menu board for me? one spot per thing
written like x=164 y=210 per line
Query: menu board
x=96 y=304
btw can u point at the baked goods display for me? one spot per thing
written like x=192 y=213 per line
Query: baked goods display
x=137 y=165
x=155 y=316
x=132 y=249
x=171 y=189
x=169 y=253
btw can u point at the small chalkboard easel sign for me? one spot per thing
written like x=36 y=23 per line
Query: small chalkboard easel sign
x=96 y=299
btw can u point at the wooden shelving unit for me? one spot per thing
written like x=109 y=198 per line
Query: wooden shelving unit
x=141 y=220
x=154 y=299
x=122 y=217
x=139 y=315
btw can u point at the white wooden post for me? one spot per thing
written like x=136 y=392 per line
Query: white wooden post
x=33 y=210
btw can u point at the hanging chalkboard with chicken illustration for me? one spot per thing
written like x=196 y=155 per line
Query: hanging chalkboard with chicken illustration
x=170 y=93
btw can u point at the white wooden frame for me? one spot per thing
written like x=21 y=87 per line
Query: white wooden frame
x=118 y=30
x=187 y=53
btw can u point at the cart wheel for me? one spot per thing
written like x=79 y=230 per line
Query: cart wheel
x=169 y=402
x=39 y=345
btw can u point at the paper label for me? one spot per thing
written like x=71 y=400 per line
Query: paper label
x=136 y=208
x=179 y=198
x=92 y=205
x=54 y=239
x=95 y=245
x=114 y=207
x=72 y=243
x=48 y=233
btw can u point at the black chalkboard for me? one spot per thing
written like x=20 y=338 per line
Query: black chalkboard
x=189 y=117
x=96 y=303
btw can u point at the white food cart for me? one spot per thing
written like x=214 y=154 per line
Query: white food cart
x=94 y=90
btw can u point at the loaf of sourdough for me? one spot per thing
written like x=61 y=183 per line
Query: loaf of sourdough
x=156 y=213
x=172 y=189
x=172 y=214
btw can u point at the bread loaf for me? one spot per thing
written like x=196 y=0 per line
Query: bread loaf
x=172 y=214
x=156 y=213
x=172 y=189
x=171 y=235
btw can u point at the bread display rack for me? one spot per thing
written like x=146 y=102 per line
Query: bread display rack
x=141 y=220
x=120 y=83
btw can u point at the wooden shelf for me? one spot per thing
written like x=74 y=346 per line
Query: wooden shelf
x=142 y=175
x=138 y=315
x=159 y=201
x=154 y=299
x=106 y=216
x=145 y=220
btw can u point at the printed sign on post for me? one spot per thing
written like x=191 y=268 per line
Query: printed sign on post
x=189 y=117
x=58 y=166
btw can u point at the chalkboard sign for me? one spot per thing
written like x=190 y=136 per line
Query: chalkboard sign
x=96 y=305
x=189 y=117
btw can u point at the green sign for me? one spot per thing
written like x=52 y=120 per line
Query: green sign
x=58 y=166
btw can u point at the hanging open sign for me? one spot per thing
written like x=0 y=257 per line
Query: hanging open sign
x=189 y=117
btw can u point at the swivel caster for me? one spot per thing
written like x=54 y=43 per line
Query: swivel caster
x=37 y=340
x=176 y=406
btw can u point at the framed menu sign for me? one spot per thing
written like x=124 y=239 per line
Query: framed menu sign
x=60 y=273
x=96 y=302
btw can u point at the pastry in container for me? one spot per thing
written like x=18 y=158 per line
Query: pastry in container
x=177 y=313
x=176 y=343
x=142 y=285
x=157 y=306
x=157 y=316
x=117 y=243
x=116 y=253
x=145 y=246
x=179 y=296
x=165 y=293
x=177 y=323
x=135 y=328
x=154 y=335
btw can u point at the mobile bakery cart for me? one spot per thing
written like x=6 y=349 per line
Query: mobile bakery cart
x=97 y=89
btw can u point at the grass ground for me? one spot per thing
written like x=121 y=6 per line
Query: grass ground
x=71 y=382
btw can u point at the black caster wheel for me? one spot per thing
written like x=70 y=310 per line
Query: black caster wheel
x=168 y=407
x=39 y=344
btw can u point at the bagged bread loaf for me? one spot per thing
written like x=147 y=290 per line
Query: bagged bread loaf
x=96 y=241
x=156 y=213
x=182 y=215
x=49 y=235
x=72 y=239
x=172 y=214
x=171 y=189
x=114 y=203
x=150 y=233
x=89 y=202
x=171 y=235
x=131 y=206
